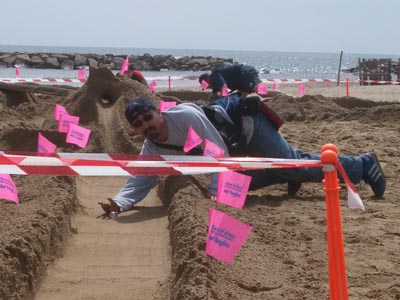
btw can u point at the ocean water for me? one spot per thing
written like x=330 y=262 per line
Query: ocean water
x=281 y=65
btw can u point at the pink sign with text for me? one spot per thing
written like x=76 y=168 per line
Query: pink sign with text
x=225 y=237
x=82 y=75
x=211 y=149
x=302 y=89
x=65 y=120
x=232 y=188
x=44 y=145
x=164 y=105
x=262 y=89
x=8 y=190
x=78 y=135
x=204 y=84
x=152 y=86
x=192 y=140
x=124 y=66
x=225 y=91
x=58 y=111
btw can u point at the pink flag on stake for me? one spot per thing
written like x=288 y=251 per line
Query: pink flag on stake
x=8 y=190
x=302 y=89
x=232 y=188
x=225 y=91
x=211 y=149
x=78 y=135
x=152 y=86
x=226 y=235
x=164 y=105
x=204 y=84
x=124 y=66
x=192 y=140
x=17 y=73
x=262 y=89
x=275 y=85
x=44 y=145
x=81 y=75
x=65 y=120
x=58 y=111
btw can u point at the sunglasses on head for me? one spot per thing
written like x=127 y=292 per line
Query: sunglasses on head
x=146 y=117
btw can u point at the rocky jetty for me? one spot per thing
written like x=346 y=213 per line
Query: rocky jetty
x=144 y=62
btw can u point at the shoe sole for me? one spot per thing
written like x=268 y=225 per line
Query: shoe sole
x=375 y=172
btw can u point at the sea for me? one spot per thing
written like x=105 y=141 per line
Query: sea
x=271 y=64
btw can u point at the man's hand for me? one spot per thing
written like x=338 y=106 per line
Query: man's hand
x=109 y=206
x=211 y=196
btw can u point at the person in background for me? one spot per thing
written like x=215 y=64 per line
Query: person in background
x=236 y=77
x=165 y=134
x=135 y=74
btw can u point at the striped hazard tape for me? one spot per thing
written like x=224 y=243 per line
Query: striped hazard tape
x=42 y=80
x=101 y=164
x=191 y=78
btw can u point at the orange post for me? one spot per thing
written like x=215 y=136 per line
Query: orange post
x=169 y=83
x=347 y=86
x=336 y=263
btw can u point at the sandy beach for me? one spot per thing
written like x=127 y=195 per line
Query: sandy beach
x=56 y=244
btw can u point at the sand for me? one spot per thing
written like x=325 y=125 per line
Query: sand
x=57 y=245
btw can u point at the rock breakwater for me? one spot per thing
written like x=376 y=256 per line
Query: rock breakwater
x=144 y=62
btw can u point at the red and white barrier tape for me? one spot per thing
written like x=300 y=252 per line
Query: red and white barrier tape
x=40 y=80
x=278 y=80
x=325 y=80
x=102 y=164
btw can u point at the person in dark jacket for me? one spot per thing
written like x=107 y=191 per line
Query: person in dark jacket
x=236 y=77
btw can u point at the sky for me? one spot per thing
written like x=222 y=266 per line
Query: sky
x=352 y=26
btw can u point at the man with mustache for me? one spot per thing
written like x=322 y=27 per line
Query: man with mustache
x=165 y=133
x=167 y=128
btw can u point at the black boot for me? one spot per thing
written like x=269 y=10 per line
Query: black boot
x=293 y=188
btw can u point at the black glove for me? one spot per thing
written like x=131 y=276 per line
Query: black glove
x=249 y=106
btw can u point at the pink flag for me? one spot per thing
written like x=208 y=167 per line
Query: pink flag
x=302 y=89
x=232 y=188
x=65 y=120
x=262 y=89
x=58 y=111
x=81 y=75
x=225 y=91
x=275 y=85
x=211 y=149
x=125 y=65
x=164 y=105
x=78 y=135
x=152 y=86
x=192 y=140
x=44 y=145
x=8 y=190
x=226 y=235
x=204 y=84
x=17 y=73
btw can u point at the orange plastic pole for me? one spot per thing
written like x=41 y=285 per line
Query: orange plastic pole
x=347 y=86
x=336 y=263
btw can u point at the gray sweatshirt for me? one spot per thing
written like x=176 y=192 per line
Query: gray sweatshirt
x=178 y=118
